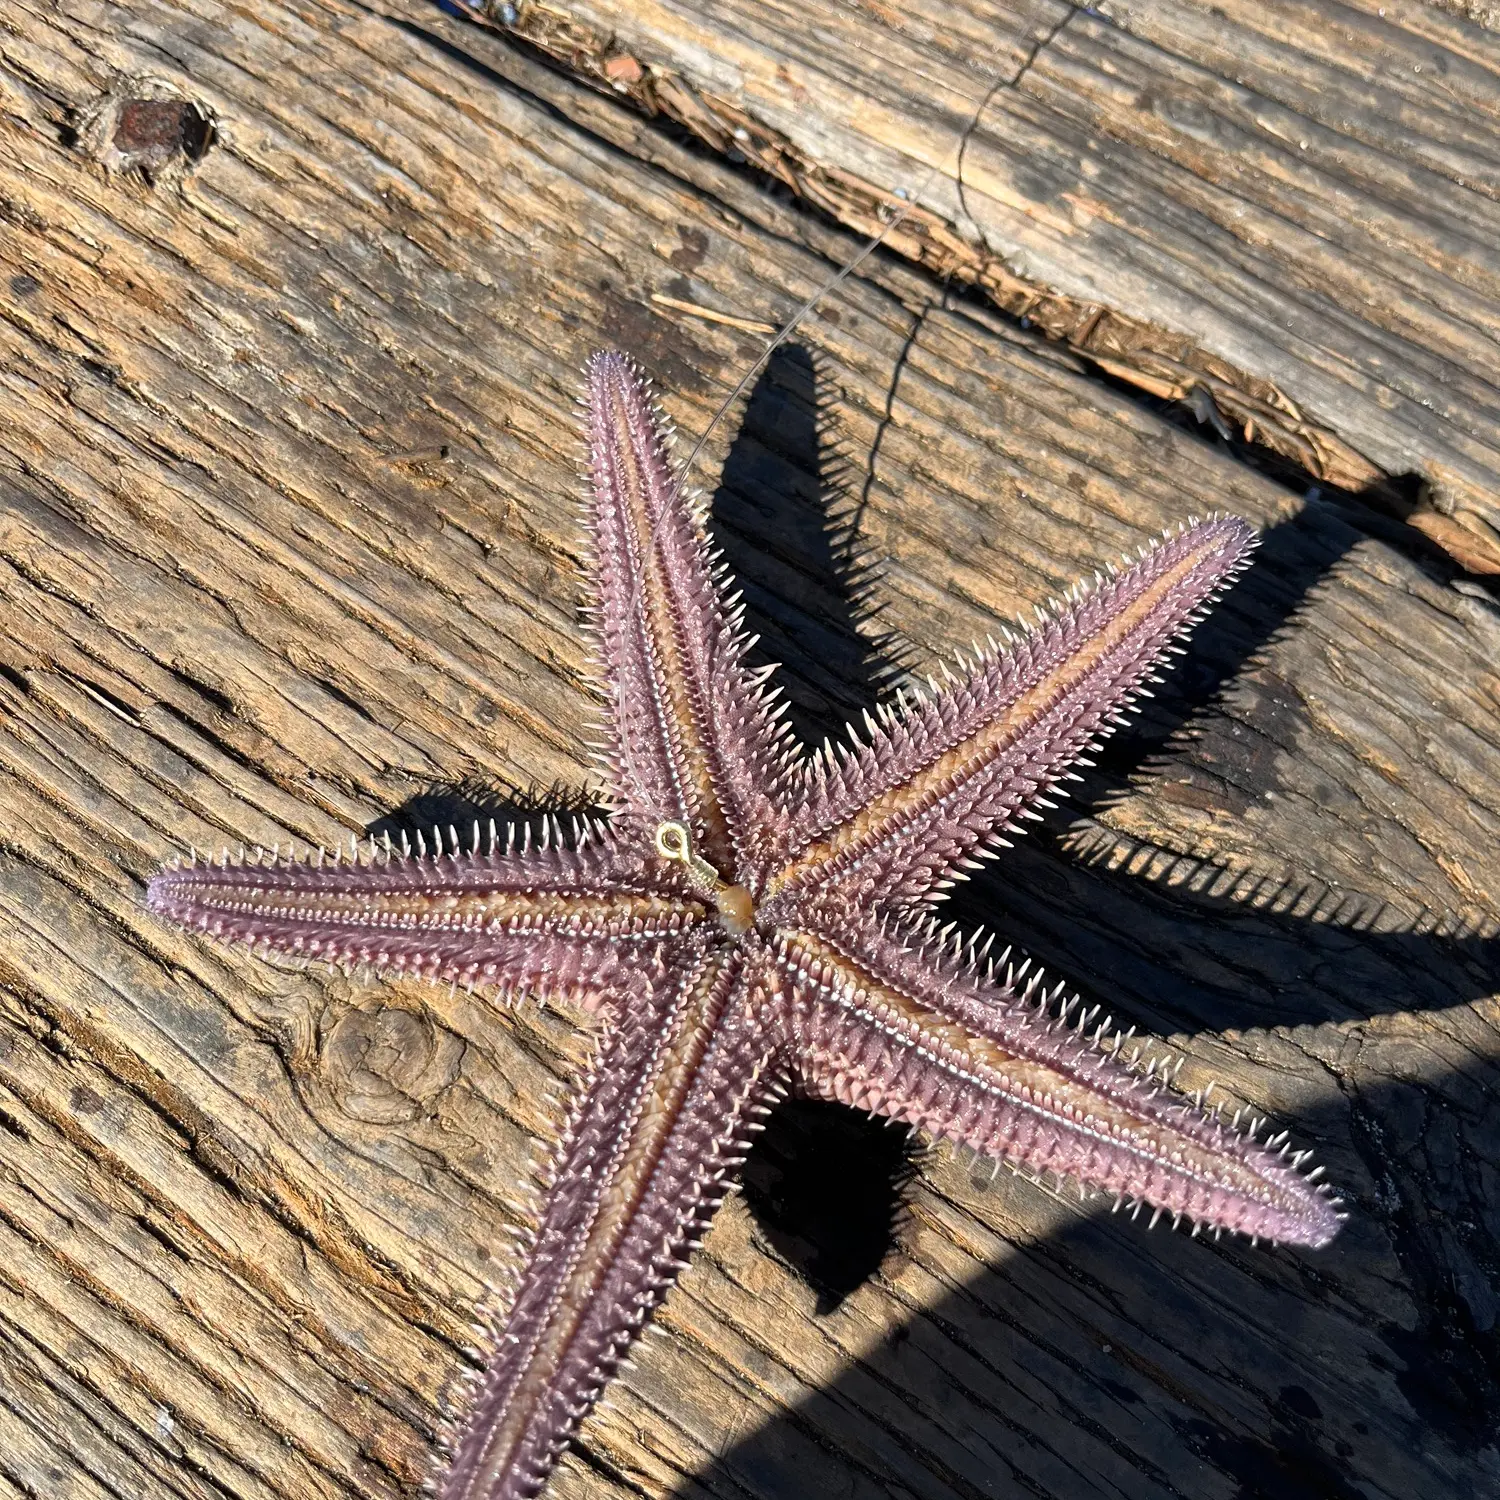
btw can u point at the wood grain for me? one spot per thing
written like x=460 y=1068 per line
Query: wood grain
x=288 y=551
x=1283 y=213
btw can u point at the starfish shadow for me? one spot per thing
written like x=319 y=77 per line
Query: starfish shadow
x=824 y=1184
x=786 y=514
x=1007 y=1377
x=1100 y=1360
x=457 y=813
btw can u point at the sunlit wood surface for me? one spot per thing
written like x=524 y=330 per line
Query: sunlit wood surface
x=289 y=552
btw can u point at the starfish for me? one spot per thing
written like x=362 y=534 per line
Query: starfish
x=751 y=920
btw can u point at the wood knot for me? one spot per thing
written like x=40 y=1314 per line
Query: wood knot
x=386 y=1065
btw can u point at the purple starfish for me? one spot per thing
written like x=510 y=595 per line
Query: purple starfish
x=754 y=920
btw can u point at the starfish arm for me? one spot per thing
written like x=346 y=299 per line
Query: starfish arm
x=542 y=919
x=915 y=1032
x=660 y=1124
x=898 y=817
x=691 y=735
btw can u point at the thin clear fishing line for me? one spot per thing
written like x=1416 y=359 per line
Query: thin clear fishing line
x=792 y=323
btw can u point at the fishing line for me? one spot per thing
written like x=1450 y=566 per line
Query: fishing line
x=902 y=208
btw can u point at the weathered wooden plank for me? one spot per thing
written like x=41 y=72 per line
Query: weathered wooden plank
x=1286 y=209
x=288 y=547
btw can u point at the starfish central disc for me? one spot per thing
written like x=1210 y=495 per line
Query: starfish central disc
x=735 y=904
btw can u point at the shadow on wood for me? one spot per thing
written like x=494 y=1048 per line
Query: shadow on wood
x=1374 y=1362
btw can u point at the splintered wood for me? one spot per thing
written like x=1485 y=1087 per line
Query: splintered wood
x=295 y=299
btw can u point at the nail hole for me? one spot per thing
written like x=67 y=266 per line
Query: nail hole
x=149 y=133
x=145 y=127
